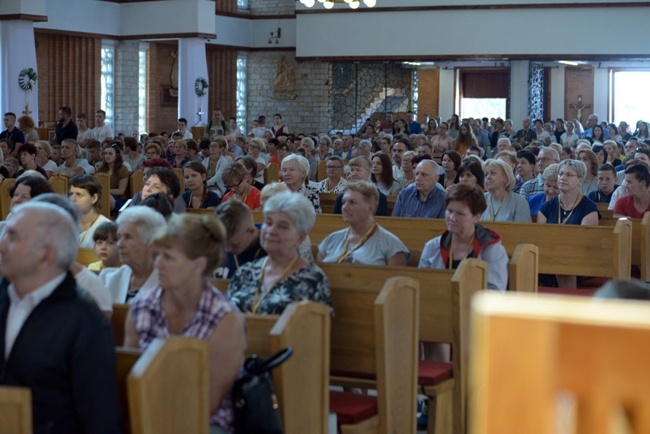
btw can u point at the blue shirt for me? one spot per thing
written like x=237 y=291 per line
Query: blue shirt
x=415 y=128
x=408 y=203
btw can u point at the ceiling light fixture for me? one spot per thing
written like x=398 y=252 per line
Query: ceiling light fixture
x=329 y=4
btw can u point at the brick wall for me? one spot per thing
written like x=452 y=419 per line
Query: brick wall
x=126 y=87
x=308 y=112
x=272 y=7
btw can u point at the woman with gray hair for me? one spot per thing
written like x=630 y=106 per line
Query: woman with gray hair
x=503 y=204
x=137 y=227
x=295 y=174
x=268 y=285
x=570 y=207
x=549 y=177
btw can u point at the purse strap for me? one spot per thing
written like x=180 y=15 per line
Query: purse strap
x=273 y=361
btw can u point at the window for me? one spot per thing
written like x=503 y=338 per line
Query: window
x=108 y=79
x=242 y=62
x=242 y=5
x=630 y=94
x=484 y=92
x=142 y=89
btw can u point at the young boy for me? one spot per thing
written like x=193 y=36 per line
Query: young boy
x=606 y=184
x=105 y=238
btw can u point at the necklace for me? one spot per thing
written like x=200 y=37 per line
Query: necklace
x=285 y=274
x=561 y=210
x=345 y=253
x=192 y=205
x=451 y=251
x=493 y=215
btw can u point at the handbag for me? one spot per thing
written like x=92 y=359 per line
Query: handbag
x=255 y=404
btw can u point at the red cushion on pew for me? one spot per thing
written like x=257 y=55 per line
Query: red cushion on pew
x=431 y=373
x=351 y=407
x=593 y=282
x=565 y=291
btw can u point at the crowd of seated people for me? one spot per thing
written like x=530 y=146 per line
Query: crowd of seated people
x=159 y=252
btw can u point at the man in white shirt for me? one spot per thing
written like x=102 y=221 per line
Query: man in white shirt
x=182 y=130
x=102 y=131
x=54 y=340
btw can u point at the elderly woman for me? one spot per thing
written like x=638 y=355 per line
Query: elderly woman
x=637 y=179
x=549 y=177
x=526 y=161
x=185 y=303
x=382 y=174
x=198 y=195
x=238 y=183
x=85 y=194
x=152 y=150
x=26 y=188
x=136 y=227
x=295 y=174
x=335 y=182
x=364 y=241
x=179 y=154
x=268 y=285
x=590 y=182
x=43 y=152
x=408 y=169
x=503 y=204
x=465 y=238
x=215 y=164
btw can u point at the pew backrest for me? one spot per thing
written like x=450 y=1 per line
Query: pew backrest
x=86 y=256
x=168 y=387
x=118 y=320
x=271 y=173
x=540 y=360
x=15 y=410
x=5 y=197
x=136 y=182
x=105 y=181
x=59 y=184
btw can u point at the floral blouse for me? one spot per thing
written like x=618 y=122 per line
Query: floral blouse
x=308 y=283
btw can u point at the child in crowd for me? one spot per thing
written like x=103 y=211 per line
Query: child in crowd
x=105 y=238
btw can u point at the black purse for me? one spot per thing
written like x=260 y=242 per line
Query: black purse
x=255 y=404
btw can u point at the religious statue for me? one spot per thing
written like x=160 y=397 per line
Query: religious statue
x=173 y=78
x=284 y=82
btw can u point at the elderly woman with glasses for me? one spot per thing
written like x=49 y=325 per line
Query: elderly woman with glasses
x=334 y=183
x=570 y=206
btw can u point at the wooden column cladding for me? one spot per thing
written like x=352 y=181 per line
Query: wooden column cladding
x=69 y=74
x=226 y=6
x=428 y=93
x=222 y=72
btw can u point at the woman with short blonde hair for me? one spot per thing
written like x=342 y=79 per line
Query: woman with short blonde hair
x=503 y=204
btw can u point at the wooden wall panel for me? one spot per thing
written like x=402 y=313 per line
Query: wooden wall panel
x=226 y=6
x=428 y=93
x=69 y=70
x=578 y=82
x=161 y=116
x=222 y=73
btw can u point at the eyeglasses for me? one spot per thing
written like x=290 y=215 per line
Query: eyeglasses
x=232 y=187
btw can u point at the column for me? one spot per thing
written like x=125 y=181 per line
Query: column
x=192 y=64
x=17 y=52
x=536 y=90
x=518 y=92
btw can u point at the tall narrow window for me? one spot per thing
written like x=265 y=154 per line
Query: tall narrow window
x=630 y=94
x=108 y=79
x=242 y=5
x=242 y=62
x=142 y=89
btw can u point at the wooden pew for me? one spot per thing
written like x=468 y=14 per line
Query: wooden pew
x=15 y=410
x=105 y=181
x=271 y=173
x=168 y=388
x=563 y=249
x=179 y=173
x=86 y=256
x=322 y=171
x=376 y=334
x=125 y=359
x=5 y=198
x=302 y=382
x=118 y=320
x=444 y=317
x=553 y=364
x=59 y=184
x=136 y=182
x=640 y=242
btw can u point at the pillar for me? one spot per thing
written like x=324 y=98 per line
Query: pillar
x=192 y=64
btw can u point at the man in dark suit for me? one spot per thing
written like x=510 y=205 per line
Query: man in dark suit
x=53 y=338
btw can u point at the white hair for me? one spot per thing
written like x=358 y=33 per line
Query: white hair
x=299 y=209
x=147 y=221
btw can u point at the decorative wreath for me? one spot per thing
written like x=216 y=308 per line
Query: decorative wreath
x=27 y=79
x=201 y=86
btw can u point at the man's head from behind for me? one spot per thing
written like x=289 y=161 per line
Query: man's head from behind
x=40 y=242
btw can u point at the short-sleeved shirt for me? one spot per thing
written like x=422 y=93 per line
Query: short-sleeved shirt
x=309 y=283
x=252 y=200
x=625 y=207
x=150 y=323
x=377 y=249
x=550 y=210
